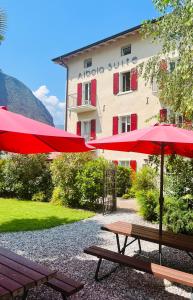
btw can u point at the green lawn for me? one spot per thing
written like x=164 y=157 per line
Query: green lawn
x=17 y=215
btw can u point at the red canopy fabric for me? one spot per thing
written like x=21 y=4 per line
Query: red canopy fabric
x=149 y=140
x=19 y=134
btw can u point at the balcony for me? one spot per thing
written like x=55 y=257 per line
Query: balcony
x=86 y=105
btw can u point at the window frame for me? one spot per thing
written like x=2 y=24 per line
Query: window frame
x=86 y=101
x=88 y=136
x=126 y=123
x=121 y=82
x=86 y=61
x=125 y=47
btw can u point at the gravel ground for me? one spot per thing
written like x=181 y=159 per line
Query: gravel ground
x=62 y=247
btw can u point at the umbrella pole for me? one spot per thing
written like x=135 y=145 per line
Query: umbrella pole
x=161 y=198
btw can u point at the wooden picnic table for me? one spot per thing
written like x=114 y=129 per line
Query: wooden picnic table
x=19 y=274
x=138 y=232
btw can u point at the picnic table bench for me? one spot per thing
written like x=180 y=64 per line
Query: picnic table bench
x=178 y=241
x=19 y=274
x=156 y=270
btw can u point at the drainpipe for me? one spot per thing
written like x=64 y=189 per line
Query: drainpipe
x=66 y=112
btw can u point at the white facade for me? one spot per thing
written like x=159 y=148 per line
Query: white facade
x=107 y=59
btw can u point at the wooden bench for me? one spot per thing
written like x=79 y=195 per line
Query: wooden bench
x=158 y=271
x=178 y=241
x=65 y=285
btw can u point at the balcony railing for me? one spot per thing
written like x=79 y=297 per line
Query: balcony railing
x=84 y=107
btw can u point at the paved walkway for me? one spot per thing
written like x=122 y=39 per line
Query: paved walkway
x=129 y=205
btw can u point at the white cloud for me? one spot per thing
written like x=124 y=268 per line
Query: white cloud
x=52 y=103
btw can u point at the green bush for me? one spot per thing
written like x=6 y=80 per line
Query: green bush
x=64 y=171
x=148 y=203
x=123 y=180
x=178 y=216
x=90 y=182
x=180 y=174
x=58 y=196
x=39 y=197
x=145 y=179
x=25 y=175
x=2 y=182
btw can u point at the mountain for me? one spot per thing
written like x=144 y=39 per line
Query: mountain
x=19 y=98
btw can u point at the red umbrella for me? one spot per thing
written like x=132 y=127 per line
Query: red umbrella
x=160 y=139
x=23 y=135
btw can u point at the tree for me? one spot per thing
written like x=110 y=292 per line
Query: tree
x=2 y=24
x=174 y=32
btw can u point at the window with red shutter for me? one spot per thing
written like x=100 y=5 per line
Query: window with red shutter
x=134 y=79
x=115 y=83
x=115 y=125
x=133 y=122
x=79 y=94
x=93 y=129
x=93 y=92
x=163 y=115
x=133 y=165
x=78 y=128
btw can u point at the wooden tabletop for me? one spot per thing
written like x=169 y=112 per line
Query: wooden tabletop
x=178 y=241
x=18 y=274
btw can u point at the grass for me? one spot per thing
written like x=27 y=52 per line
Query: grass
x=17 y=215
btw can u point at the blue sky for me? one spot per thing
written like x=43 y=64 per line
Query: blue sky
x=39 y=30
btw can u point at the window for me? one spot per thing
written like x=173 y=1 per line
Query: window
x=154 y=85
x=124 y=163
x=86 y=130
x=172 y=66
x=175 y=118
x=126 y=79
x=125 y=124
x=86 y=93
x=179 y=120
x=126 y=50
x=87 y=63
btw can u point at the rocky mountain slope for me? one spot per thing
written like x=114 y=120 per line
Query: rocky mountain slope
x=19 y=98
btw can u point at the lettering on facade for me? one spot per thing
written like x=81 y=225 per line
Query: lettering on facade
x=109 y=67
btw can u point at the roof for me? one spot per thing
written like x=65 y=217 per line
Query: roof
x=62 y=60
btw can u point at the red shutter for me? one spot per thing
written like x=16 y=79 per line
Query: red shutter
x=163 y=115
x=115 y=162
x=78 y=128
x=134 y=79
x=93 y=129
x=133 y=122
x=93 y=92
x=163 y=65
x=115 y=83
x=115 y=125
x=133 y=165
x=79 y=94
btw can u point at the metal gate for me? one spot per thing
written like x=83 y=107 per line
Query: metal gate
x=109 y=195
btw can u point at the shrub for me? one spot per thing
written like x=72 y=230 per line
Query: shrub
x=40 y=197
x=58 y=196
x=129 y=194
x=145 y=179
x=90 y=182
x=180 y=176
x=26 y=175
x=2 y=183
x=148 y=203
x=179 y=215
x=123 y=180
x=64 y=170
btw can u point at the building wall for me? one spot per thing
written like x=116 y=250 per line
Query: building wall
x=142 y=101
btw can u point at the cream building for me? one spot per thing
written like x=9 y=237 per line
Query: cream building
x=104 y=93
